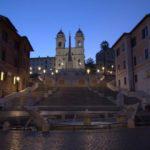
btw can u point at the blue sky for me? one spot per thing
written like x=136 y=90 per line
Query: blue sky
x=40 y=20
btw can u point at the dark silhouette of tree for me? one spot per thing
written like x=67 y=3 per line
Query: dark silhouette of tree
x=104 y=45
x=90 y=64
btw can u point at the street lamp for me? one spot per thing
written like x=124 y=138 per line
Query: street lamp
x=56 y=72
x=39 y=68
x=88 y=72
x=17 y=83
x=103 y=68
x=44 y=71
x=98 y=71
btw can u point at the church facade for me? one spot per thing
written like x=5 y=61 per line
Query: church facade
x=69 y=57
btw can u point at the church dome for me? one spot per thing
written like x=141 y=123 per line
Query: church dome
x=60 y=34
x=79 y=32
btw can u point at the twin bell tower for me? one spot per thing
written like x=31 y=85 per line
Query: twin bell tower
x=69 y=58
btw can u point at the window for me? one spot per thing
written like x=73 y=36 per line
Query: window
x=146 y=54
x=45 y=66
x=2 y=76
x=28 y=54
x=79 y=44
x=119 y=83
x=2 y=55
x=135 y=78
x=145 y=32
x=134 y=61
x=125 y=81
x=5 y=36
x=16 y=45
x=59 y=44
x=124 y=64
x=118 y=52
x=118 y=67
x=16 y=64
x=123 y=47
x=133 y=42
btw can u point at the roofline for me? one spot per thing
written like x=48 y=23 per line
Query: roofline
x=124 y=34
x=41 y=57
x=5 y=19
x=146 y=16
x=25 y=38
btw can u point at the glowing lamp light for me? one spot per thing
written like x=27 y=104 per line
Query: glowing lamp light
x=88 y=71
x=56 y=71
x=62 y=64
x=30 y=68
x=14 y=80
x=98 y=71
x=112 y=66
x=18 y=79
x=30 y=72
x=39 y=68
x=2 y=76
x=80 y=63
x=103 y=68
x=52 y=73
x=44 y=71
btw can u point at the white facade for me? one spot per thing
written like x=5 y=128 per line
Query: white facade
x=62 y=52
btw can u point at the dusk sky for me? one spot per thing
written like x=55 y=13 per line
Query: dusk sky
x=40 y=20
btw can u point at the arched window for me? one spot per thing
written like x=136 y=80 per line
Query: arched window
x=59 y=44
x=79 y=43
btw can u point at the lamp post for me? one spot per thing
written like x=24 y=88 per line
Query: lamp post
x=56 y=72
x=39 y=68
x=44 y=72
x=88 y=72
x=98 y=71
x=104 y=69
x=17 y=83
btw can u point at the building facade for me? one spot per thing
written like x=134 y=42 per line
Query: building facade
x=14 y=58
x=105 y=57
x=69 y=57
x=133 y=58
x=42 y=65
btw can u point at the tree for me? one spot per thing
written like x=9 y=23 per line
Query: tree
x=104 y=45
x=90 y=64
